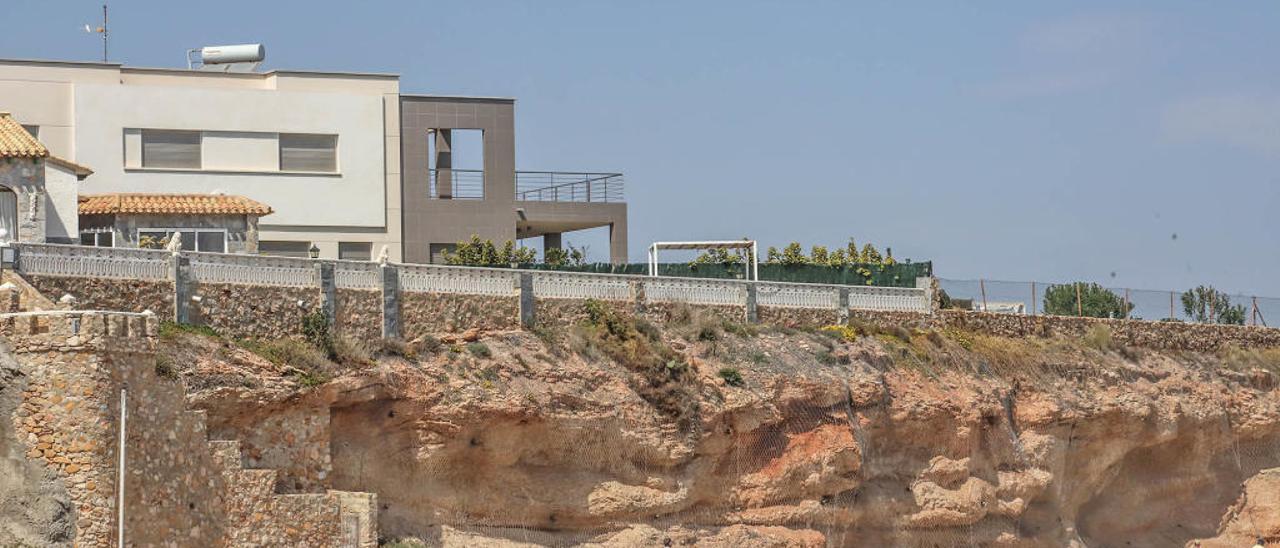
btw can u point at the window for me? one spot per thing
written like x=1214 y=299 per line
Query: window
x=438 y=252
x=284 y=249
x=209 y=241
x=97 y=238
x=308 y=152
x=355 y=251
x=32 y=129
x=171 y=149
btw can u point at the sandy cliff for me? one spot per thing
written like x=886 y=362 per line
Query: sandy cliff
x=711 y=434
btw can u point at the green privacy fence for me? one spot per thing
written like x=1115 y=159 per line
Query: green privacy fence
x=895 y=275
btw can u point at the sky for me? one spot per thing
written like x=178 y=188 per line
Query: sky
x=1135 y=144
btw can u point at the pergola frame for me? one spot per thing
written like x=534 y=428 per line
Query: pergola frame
x=704 y=245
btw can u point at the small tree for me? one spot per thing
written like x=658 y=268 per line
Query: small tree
x=476 y=252
x=721 y=257
x=870 y=255
x=793 y=254
x=1204 y=304
x=557 y=257
x=1094 y=301
x=818 y=254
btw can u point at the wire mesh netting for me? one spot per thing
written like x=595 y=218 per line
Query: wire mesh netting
x=1201 y=305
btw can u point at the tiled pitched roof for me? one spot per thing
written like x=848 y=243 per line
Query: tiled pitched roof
x=171 y=204
x=15 y=142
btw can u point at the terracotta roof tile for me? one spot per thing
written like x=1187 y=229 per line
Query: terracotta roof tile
x=175 y=204
x=15 y=142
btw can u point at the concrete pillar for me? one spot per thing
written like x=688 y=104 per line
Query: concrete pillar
x=527 y=303
x=328 y=292
x=183 y=287
x=390 y=302
x=753 y=315
x=444 y=163
x=842 y=303
x=551 y=240
x=618 y=239
x=930 y=286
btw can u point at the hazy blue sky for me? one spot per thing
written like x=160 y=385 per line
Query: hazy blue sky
x=1052 y=141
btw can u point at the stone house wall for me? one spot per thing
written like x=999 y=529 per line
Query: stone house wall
x=25 y=177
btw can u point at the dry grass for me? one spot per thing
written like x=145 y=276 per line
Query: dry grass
x=1243 y=359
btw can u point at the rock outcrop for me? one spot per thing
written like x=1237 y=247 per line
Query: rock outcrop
x=791 y=439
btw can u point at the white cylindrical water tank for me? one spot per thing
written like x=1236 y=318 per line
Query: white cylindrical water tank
x=240 y=53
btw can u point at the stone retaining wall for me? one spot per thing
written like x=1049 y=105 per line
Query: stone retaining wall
x=178 y=485
x=108 y=293
x=254 y=311
x=359 y=313
x=423 y=313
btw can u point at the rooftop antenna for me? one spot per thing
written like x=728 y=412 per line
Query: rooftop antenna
x=101 y=30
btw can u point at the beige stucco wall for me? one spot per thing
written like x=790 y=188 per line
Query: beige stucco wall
x=83 y=110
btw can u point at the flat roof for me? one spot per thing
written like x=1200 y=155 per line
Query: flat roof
x=457 y=97
x=99 y=64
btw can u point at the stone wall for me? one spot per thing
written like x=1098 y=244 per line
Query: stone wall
x=254 y=311
x=796 y=317
x=423 y=313
x=293 y=441
x=359 y=313
x=108 y=293
x=178 y=485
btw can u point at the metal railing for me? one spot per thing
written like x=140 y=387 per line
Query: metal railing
x=464 y=184
x=565 y=186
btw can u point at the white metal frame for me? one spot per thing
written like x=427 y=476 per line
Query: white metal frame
x=703 y=245
x=225 y=236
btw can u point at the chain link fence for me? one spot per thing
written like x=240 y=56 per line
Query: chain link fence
x=1085 y=299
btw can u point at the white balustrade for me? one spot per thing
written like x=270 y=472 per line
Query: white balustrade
x=93 y=262
x=142 y=264
x=898 y=299
x=459 y=280
x=790 y=295
x=695 y=291
x=217 y=268
x=572 y=285
x=357 y=275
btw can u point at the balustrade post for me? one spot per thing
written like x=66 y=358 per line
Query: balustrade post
x=527 y=302
x=753 y=315
x=637 y=295
x=842 y=302
x=328 y=292
x=390 y=301
x=183 y=287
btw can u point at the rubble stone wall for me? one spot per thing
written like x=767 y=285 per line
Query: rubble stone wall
x=423 y=313
x=108 y=293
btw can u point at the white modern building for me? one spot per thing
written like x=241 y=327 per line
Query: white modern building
x=322 y=149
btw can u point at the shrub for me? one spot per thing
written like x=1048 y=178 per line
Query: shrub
x=1204 y=304
x=165 y=368
x=843 y=332
x=398 y=347
x=739 y=329
x=731 y=376
x=1095 y=301
x=169 y=330
x=305 y=361
x=430 y=344
x=315 y=329
x=480 y=350
x=348 y=350
x=708 y=333
x=1098 y=337
x=661 y=377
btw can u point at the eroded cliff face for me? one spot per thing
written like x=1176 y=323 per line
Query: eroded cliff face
x=784 y=438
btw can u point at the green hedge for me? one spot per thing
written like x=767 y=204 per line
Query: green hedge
x=895 y=275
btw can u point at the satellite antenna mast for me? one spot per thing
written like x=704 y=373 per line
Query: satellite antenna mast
x=101 y=30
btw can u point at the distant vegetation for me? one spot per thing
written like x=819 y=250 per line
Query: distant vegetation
x=1204 y=304
x=1084 y=299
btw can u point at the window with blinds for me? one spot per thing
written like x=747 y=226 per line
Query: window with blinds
x=171 y=149
x=308 y=152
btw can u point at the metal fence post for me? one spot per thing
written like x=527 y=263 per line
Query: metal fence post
x=328 y=292
x=527 y=303
x=182 y=290
x=753 y=315
x=390 y=301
